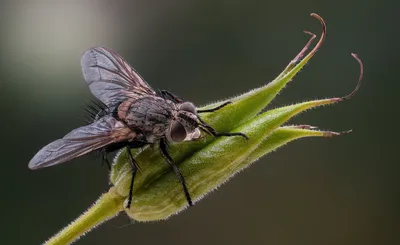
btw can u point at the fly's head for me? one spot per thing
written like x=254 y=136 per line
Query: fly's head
x=185 y=125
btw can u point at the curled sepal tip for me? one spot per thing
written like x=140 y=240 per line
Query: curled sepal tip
x=360 y=77
x=298 y=62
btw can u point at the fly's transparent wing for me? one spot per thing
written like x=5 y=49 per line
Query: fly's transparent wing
x=110 y=78
x=81 y=141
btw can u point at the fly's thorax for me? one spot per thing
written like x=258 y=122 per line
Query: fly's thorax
x=149 y=115
x=156 y=117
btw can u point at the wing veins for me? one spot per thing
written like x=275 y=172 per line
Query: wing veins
x=123 y=64
x=110 y=78
x=123 y=76
x=127 y=70
x=118 y=66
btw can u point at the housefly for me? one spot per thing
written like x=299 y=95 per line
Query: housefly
x=133 y=115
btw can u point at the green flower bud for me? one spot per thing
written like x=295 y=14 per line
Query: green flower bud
x=208 y=163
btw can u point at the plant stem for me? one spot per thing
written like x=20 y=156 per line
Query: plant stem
x=106 y=207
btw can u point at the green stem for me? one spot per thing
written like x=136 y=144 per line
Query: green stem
x=106 y=207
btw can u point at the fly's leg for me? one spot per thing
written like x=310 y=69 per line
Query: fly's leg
x=171 y=95
x=210 y=130
x=217 y=134
x=167 y=157
x=105 y=160
x=134 y=170
x=215 y=108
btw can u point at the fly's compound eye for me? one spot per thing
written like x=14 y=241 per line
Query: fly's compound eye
x=187 y=106
x=178 y=132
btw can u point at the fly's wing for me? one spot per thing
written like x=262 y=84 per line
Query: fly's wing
x=81 y=141
x=110 y=78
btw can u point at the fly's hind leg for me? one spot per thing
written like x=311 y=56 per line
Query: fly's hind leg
x=134 y=170
x=168 y=158
x=105 y=160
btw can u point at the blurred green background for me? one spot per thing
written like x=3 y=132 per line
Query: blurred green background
x=343 y=190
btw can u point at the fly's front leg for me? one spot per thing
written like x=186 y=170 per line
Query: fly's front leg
x=168 y=158
x=215 y=108
x=210 y=130
x=134 y=170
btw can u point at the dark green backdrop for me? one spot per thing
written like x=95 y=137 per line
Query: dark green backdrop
x=343 y=190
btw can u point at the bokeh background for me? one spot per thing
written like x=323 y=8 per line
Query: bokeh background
x=343 y=190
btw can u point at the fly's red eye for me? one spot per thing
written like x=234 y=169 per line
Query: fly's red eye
x=187 y=106
x=178 y=132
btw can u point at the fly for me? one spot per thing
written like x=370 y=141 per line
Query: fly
x=134 y=115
